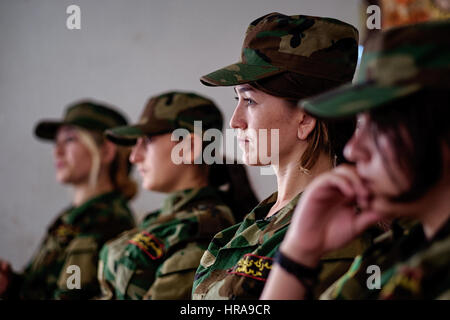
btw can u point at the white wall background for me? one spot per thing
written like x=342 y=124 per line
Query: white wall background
x=125 y=52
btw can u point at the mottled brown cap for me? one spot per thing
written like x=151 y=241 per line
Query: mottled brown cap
x=315 y=47
x=167 y=112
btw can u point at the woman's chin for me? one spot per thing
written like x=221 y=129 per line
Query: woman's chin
x=62 y=179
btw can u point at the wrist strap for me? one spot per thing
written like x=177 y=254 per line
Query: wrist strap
x=306 y=275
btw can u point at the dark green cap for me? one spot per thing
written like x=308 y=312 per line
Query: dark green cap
x=396 y=63
x=322 y=48
x=167 y=112
x=84 y=114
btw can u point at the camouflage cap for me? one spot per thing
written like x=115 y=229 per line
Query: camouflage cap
x=316 y=47
x=167 y=112
x=395 y=63
x=86 y=114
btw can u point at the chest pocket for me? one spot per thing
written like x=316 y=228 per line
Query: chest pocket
x=243 y=273
x=175 y=276
x=80 y=261
x=246 y=279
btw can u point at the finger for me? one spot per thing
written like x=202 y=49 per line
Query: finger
x=350 y=173
x=362 y=192
x=342 y=184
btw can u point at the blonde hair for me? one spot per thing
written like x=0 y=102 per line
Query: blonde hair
x=119 y=169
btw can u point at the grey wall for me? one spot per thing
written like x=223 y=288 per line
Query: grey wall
x=125 y=52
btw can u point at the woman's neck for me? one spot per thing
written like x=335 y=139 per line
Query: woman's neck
x=292 y=180
x=192 y=178
x=84 y=191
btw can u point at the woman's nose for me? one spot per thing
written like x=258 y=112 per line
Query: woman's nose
x=238 y=121
x=355 y=150
x=136 y=152
x=58 y=149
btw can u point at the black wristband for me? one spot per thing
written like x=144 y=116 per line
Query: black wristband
x=306 y=275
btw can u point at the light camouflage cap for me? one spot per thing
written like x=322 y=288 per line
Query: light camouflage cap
x=167 y=112
x=85 y=114
x=317 y=47
x=395 y=64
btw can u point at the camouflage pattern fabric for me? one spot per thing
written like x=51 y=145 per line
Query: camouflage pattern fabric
x=322 y=48
x=398 y=12
x=411 y=268
x=75 y=238
x=395 y=64
x=85 y=114
x=239 y=259
x=167 y=112
x=158 y=259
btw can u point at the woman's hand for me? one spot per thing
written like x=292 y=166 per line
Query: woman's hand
x=5 y=276
x=334 y=209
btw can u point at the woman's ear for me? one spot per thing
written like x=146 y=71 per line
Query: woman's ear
x=306 y=125
x=108 y=152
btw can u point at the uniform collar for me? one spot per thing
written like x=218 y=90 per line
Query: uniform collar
x=263 y=208
x=278 y=220
x=177 y=200
x=73 y=213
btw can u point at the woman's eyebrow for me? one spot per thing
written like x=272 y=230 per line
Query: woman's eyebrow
x=243 y=89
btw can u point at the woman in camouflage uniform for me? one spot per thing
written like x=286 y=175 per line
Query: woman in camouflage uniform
x=284 y=59
x=158 y=259
x=98 y=172
x=402 y=154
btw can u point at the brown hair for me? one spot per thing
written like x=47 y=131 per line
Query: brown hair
x=232 y=180
x=238 y=193
x=119 y=173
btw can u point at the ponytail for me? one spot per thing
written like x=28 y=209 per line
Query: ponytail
x=119 y=173
x=232 y=179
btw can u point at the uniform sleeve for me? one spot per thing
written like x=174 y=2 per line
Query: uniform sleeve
x=133 y=263
x=78 y=276
x=175 y=276
x=337 y=263
x=425 y=275
x=209 y=256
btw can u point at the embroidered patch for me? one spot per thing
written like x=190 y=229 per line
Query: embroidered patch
x=406 y=282
x=253 y=266
x=66 y=232
x=149 y=244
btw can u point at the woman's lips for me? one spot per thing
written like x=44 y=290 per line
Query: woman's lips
x=60 y=164
x=243 y=140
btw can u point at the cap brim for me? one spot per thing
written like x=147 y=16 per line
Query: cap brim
x=125 y=135
x=239 y=73
x=47 y=129
x=351 y=99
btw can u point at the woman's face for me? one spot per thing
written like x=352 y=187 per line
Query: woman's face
x=72 y=158
x=257 y=110
x=381 y=179
x=152 y=156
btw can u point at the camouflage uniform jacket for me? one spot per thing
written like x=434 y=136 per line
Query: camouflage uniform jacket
x=158 y=259
x=239 y=259
x=75 y=238
x=411 y=267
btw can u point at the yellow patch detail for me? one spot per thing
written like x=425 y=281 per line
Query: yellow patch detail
x=149 y=244
x=253 y=266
